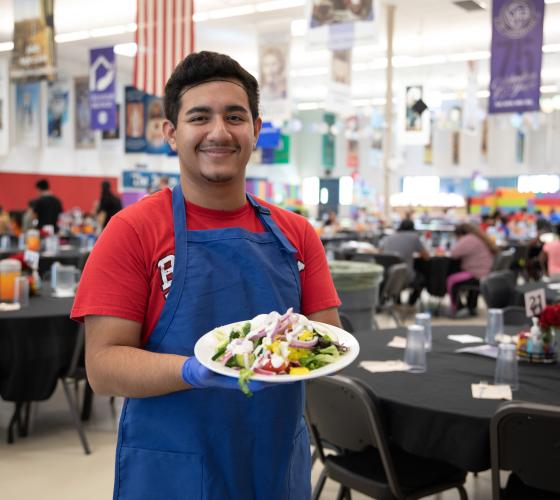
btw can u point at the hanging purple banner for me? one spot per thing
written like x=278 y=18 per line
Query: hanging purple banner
x=517 y=36
x=102 y=75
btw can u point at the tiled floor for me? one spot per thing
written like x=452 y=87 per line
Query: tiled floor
x=50 y=465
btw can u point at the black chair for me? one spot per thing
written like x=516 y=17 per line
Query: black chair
x=396 y=281
x=345 y=413
x=504 y=260
x=498 y=289
x=386 y=260
x=516 y=316
x=525 y=439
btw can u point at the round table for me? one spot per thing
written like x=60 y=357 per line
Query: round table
x=433 y=414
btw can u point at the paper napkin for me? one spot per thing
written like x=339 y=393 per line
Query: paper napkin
x=465 y=339
x=398 y=342
x=486 y=391
x=395 y=365
x=4 y=306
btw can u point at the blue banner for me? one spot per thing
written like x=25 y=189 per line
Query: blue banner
x=102 y=76
x=515 y=68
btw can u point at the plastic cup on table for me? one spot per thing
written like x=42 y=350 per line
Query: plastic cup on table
x=10 y=270
x=506 y=366
x=33 y=240
x=415 y=350
x=5 y=242
x=21 y=291
x=425 y=320
x=494 y=325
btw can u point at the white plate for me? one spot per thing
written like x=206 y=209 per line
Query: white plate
x=205 y=348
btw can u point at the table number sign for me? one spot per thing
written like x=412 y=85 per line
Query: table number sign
x=535 y=300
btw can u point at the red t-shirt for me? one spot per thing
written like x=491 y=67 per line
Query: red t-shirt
x=130 y=270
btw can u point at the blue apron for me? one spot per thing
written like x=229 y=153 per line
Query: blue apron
x=216 y=443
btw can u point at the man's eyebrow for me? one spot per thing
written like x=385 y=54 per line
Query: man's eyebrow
x=207 y=109
x=199 y=109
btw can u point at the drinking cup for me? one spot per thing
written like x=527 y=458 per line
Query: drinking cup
x=415 y=351
x=425 y=320
x=5 y=242
x=506 y=366
x=51 y=244
x=10 y=270
x=33 y=240
x=66 y=280
x=494 y=325
x=21 y=291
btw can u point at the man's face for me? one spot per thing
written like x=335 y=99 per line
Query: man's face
x=215 y=133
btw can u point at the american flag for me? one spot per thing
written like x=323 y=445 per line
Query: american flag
x=164 y=37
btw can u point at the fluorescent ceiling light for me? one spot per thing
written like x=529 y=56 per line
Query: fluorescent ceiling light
x=126 y=49
x=240 y=10
x=278 y=5
x=72 y=36
x=6 y=46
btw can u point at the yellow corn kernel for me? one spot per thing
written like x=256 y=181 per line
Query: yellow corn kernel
x=299 y=370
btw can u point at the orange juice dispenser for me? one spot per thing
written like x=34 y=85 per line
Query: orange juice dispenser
x=10 y=270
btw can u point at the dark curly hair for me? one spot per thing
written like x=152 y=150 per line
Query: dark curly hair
x=199 y=67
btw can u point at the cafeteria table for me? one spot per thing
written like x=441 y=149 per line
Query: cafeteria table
x=433 y=414
x=68 y=255
x=36 y=347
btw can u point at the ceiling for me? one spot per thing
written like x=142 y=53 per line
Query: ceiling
x=428 y=33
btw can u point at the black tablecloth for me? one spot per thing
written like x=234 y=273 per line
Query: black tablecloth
x=36 y=345
x=433 y=414
x=435 y=271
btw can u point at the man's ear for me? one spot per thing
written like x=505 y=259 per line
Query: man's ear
x=169 y=134
x=257 y=130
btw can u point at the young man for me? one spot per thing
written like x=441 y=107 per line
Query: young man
x=47 y=207
x=176 y=265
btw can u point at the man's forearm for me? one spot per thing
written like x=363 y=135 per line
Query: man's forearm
x=134 y=372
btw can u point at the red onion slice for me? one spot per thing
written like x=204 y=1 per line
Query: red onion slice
x=304 y=344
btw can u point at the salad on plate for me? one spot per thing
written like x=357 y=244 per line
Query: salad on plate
x=276 y=344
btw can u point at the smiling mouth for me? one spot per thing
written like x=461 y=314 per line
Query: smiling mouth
x=218 y=150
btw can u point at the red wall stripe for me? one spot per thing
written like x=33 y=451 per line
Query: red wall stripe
x=74 y=191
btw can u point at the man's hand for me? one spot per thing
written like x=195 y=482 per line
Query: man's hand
x=200 y=377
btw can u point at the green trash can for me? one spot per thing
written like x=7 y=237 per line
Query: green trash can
x=357 y=284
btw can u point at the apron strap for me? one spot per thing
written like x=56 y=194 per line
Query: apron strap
x=263 y=213
x=179 y=270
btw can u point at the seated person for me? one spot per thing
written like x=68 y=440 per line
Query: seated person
x=550 y=256
x=406 y=242
x=476 y=252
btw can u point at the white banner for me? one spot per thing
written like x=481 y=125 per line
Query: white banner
x=274 y=76
x=340 y=84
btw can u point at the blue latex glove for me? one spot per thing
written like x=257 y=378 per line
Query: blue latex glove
x=200 y=377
